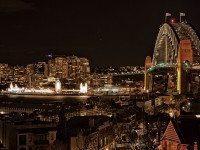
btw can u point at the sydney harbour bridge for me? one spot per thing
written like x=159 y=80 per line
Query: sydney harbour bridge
x=176 y=60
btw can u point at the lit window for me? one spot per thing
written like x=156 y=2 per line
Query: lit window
x=101 y=142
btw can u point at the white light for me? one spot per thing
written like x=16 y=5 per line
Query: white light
x=58 y=86
x=198 y=116
x=15 y=89
x=2 y=112
x=83 y=88
x=171 y=114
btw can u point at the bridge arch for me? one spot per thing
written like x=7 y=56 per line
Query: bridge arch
x=168 y=39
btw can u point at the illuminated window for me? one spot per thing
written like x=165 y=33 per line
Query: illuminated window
x=101 y=142
x=105 y=140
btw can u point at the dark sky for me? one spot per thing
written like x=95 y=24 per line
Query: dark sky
x=107 y=32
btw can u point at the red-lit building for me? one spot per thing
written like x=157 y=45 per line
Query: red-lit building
x=181 y=134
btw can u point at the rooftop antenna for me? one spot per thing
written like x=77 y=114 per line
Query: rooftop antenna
x=167 y=15
x=181 y=15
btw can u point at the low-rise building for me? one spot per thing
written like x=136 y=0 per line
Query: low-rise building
x=182 y=134
x=27 y=135
x=86 y=132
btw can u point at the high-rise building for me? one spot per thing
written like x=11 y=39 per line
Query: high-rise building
x=58 y=67
x=3 y=68
x=84 y=68
x=40 y=74
x=6 y=73
x=61 y=67
x=29 y=73
x=41 y=68
x=19 y=75
x=78 y=68
x=73 y=66
x=30 y=69
x=51 y=68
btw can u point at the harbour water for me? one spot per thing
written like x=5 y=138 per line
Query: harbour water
x=29 y=103
x=45 y=98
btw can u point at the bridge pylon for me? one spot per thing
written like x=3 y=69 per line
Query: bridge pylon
x=185 y=58
x=147 y=76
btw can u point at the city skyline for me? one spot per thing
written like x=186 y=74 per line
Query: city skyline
x=97 y=30
x=73 y=75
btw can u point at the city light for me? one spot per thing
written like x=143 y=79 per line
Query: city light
x=15 y=89
x=171 y=114
x=83 y=88
x=2 y=112
x=198 y=116
x=18 y=90
x=58 y=88
x=128 y=107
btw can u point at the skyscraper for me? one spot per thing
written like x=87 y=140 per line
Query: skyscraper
x=78 y=69
x=61 y=67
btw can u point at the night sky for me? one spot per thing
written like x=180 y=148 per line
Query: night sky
x=107 y=32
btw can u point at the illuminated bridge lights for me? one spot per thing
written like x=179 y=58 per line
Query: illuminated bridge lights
x=168 y=40
x=195 y=67
x=162 y=67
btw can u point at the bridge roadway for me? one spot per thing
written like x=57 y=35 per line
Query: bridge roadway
x=170 y=67
x=128 y=74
